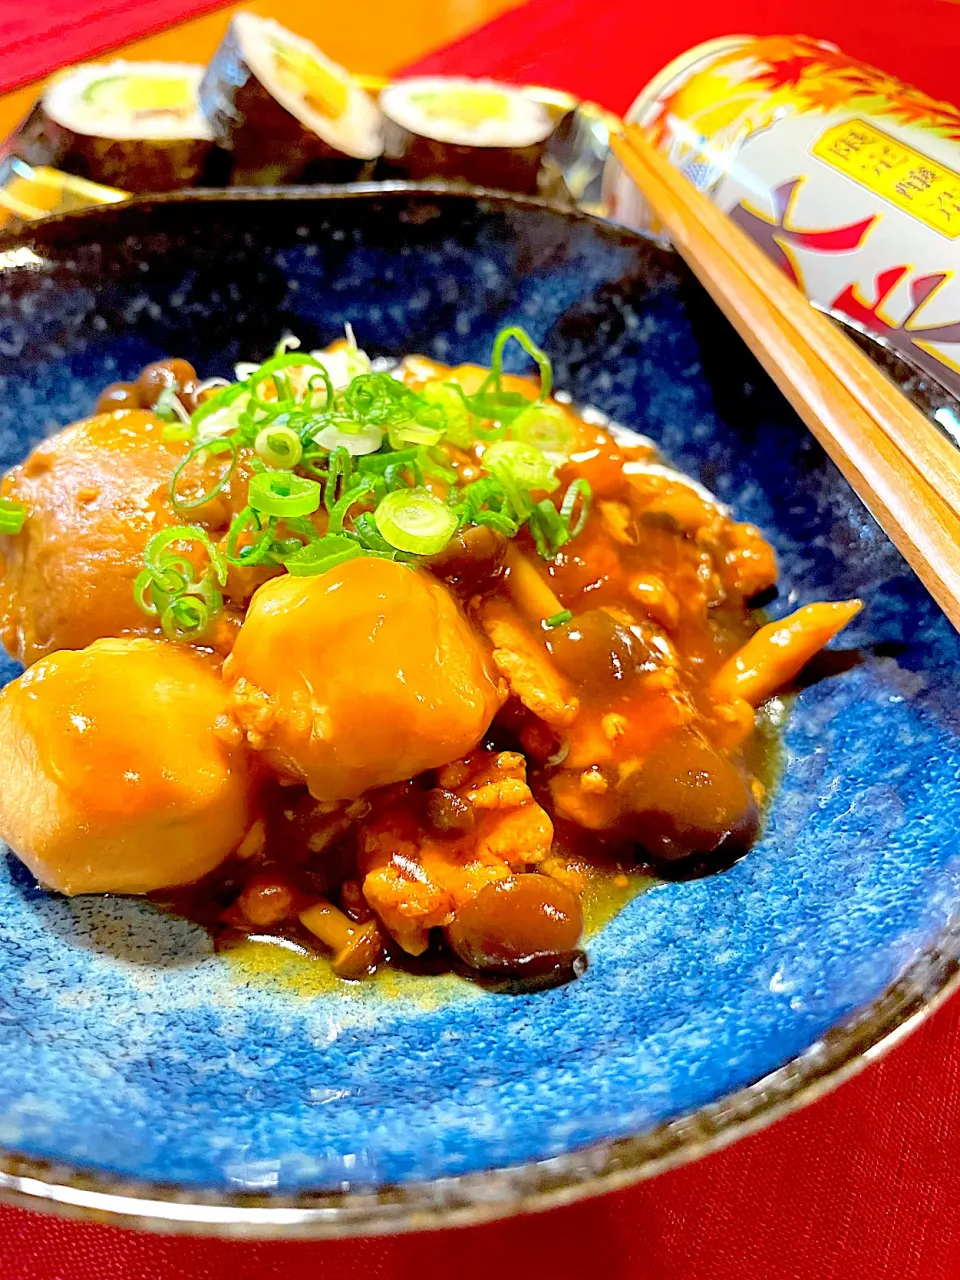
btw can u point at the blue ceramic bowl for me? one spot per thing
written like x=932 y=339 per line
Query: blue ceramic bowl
x=140 y=1074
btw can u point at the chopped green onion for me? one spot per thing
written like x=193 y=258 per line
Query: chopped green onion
x=558 y=619
x=219 y=444
x=548 y=530
x=497 y=521
x=380 y=400
x=326 y=553
x=254 y=552
x=521 y=463
x=415 y=520
x=356 y=493
x=276 y=493
x=487 y=502
x=176 y=433
x=359 y=441
x=414 y=433
x=167 y=584
x=523 y=338
x=185 y=619
x=157 y=557
x=279 y=447
x=430 y=464
x=289 y=342
x=339 y=471
x=12 y=516
x=381 y=461
x=329 y=392
x=581 y=489
x=220 y=402
x=450 y=399
x=143 y=587
x=168 y=407
x=546 y=427
x=272 y=371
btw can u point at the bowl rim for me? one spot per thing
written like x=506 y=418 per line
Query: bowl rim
x=468 y=1199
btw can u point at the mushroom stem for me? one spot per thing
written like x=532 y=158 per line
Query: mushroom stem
x=328 y=923
x=533 y=596
x=357 y=948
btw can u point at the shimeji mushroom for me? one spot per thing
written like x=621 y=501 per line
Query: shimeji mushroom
x=357 y=947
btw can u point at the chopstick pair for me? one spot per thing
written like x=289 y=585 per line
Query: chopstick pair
x=906 y=472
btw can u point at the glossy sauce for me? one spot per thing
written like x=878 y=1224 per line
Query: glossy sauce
x=658 y=583
x=465 y=767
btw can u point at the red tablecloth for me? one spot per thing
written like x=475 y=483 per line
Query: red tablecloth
x=863 y=1185
x=35 y=39
x=607 y=49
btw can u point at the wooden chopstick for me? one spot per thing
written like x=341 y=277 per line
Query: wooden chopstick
x=930 y=451
x=905 y=471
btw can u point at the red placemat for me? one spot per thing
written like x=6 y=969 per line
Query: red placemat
x=36 y=39
x=862 y=1185
x=606 y=50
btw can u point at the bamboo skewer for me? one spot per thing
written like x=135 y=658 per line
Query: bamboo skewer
x=907 y=474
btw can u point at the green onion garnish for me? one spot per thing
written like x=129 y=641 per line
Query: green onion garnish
x=221 y=444
x=185 y=619
x=549 y=531
x=12 y=516
x=356 y=493
x=545 y=427
x=523 y=338
x=168 y=587
x=414 y=433
x=168 y=407
x=522 y=464
x=558 y=619
x=275 y=493
x=368 y=535
x=176 y=433
x=279 y=447
x=255 y=552
x=326 y=553
x=363 y=452
x=490 y=401
x=273 y=371
x=358 y=440
x=415 y=520
x=449 y=398
x=578 y=489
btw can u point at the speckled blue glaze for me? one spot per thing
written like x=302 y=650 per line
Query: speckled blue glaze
x=127 y=1046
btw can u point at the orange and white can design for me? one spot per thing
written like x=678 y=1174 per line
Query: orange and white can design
x=848 y=178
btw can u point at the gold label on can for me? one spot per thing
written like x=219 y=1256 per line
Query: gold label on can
x=847 y=178
x=906 y=177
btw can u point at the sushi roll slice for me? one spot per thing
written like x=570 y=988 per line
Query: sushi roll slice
x=132 y=125
x=478 y=131
x=285 y=111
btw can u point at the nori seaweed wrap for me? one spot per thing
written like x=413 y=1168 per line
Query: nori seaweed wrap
x=132 y=125
x=285 y=111
x=477 y=131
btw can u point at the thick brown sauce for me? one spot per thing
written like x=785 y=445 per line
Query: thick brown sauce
x=615 y=759
x=658 y=583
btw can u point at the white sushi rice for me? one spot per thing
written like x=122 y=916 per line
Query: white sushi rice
x=64 y=102
x=525 y=124
x=356 y=133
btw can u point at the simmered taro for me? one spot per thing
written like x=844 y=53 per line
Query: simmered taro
x=386 y=663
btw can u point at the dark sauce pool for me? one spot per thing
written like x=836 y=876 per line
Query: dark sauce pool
x=291 y=959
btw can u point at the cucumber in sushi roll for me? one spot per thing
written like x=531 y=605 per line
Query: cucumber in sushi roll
x=478 y=131
x=133 y=125
x=285 y=111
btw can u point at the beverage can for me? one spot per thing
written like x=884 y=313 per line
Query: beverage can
x=848 y=178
